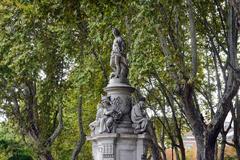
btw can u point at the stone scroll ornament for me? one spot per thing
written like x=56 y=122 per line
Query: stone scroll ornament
x=118 y=60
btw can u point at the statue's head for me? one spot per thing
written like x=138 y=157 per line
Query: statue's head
x=142 y=101
x=115 y=32
x=105 y=100
x=100 y=105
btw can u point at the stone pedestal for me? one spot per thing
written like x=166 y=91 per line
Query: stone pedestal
x=120 y=94
x=114 y=131
x=114 y=146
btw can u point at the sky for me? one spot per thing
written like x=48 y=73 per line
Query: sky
x=2 y=116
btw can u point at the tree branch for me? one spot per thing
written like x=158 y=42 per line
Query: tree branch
x=163 y=43
x=29 y=95
x=103 y=68
x=17 y=112
x=236 y=5
x=225 y=105
x=58 y=130
x=193 y=38
x=82 y=135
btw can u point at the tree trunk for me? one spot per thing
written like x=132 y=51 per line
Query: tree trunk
x=176 y=153
x=45 y=155
x=182 y=150
x=216 y=151
x=206 y=147
x=82 y=135
x=200 y=148
x=162 y=140
x=155 y=147
x=181 y=146
x=238 y=151
x=236 y=122
x=223 y=144
x=209 y=152
x=206 y=152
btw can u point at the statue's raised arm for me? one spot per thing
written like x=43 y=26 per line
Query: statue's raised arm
x=118 y=60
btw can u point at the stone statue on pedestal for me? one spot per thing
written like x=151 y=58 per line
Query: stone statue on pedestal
x=118 y=133
x=118 y=60
x=139 y=117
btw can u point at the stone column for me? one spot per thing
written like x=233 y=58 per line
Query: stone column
x=120 y=96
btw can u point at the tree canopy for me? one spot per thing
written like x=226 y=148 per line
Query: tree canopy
x=183 y=57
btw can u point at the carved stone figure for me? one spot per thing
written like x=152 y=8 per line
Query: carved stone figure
x=106 y=120
x=107 y=115
x=139 y=117
x=121 y=129
x=95 y=125
x=111 y=116
x=118 y=61
x=102 y=120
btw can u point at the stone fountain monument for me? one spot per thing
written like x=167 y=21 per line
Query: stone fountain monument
x=119 y=131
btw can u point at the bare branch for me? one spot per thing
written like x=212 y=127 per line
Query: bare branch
x=236 y=5
x=219 y=86
x=17 y=112
x=220 y=11
x=82 y=135
x=229 y=126
x=58 y=130
x=163 y=43
x=29 y=94
x=103 y=68
x=193 y=38
x=230 y=144
x=224 y=105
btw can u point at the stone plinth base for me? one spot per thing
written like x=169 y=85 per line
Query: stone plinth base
x=114 y=146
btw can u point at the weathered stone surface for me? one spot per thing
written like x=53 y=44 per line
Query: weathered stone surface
x=118 y=59
x=139 y=117
x=113 y=146
x=120 y=95
x=119 y=131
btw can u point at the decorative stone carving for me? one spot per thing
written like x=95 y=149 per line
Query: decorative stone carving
x=118 y=60
x=139 y=117
x=114 y=146
x=116 y=132
x=112 y=117
x=107 y=122
x=95 y=125
x=107 y=150
x=108 y=114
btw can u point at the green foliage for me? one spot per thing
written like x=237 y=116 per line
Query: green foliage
x=11 y=145
x=20 y=157
x=63 y=46
x=230 y=158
